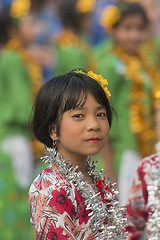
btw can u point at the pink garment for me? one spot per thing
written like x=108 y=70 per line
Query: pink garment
x=58 y=212
x=137 y=205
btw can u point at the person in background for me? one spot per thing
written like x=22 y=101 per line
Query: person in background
x=20 y=78
x=48 y=27
x=72 y=45
x=134 y=87
x=98 y=34
x=143 y=203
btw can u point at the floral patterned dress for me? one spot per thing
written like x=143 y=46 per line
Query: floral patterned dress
x=138 y=206
x=57 y=209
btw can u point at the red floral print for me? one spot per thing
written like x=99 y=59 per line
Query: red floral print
x=138 y=208
x=62 y=202
x=70 y=220
x=56 y=234
x=84 y=214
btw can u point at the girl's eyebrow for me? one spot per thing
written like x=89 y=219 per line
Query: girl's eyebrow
x=99 y=107
x=77 y=108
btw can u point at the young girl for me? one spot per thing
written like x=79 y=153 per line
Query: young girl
x=71 y=199
x=134 y=86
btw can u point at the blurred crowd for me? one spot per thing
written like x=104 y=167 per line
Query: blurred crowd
x=40 y=39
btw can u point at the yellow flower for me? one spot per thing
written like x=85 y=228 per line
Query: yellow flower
x=132 y=0
x=102 y=82
x=110 y=16
x=20 y=8
x=85 y=6
x=99 y=79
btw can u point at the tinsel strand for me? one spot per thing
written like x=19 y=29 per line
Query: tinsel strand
x=114 y=215
x=153 y=224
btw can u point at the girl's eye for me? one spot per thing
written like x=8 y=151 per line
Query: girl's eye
x=78 y=116
x=101 y=114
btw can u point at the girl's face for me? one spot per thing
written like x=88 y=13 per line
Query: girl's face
x=130 y=33
x=83 y=131
x=26 y=31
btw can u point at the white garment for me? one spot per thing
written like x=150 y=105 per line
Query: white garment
x=19 y=149
x=129 y=164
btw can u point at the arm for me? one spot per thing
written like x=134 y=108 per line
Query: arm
x=51 y=215
x=137 y=204
x=57 y=208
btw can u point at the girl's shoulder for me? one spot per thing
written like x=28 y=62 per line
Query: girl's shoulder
x=10 y=56
x=49 y=178
x=148 y=163
x=9 y=53
x=107 y=61
x=104 y=49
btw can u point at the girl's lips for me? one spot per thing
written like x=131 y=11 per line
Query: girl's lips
x=93 y=140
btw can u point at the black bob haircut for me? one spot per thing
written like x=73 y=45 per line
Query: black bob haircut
x=59 y=95
x=130 y=9
x=5 y=24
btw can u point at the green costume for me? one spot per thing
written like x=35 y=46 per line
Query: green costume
x=124 y=133
x=15 y=107
x=120 y=85
x=72 y=52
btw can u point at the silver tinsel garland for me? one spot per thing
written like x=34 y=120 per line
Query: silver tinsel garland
x=153 y=224
x=115 y=215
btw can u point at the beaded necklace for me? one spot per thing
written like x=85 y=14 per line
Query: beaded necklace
x=94 y=199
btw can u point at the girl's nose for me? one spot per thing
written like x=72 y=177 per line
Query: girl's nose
x=92 y=124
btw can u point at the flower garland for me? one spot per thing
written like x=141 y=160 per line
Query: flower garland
x=35 y=75
x=68 y=38
x=142 y=117
x=34 y=68
x=153 y=223
x=114 y=215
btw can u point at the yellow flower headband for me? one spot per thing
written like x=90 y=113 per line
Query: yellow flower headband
x=20 y=8
x=99 y=79
x=85 y=6
x=110 y=15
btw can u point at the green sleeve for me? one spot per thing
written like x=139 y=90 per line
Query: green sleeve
x=15 y=90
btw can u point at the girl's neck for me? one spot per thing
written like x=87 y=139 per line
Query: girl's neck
x=76 y=160
x=81 y=162
x=120 y=51
x=129 y=53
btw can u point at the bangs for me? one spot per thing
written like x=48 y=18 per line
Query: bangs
x=76 y=92
x=74 y=95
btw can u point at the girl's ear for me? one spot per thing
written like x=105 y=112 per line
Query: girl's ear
x=53 y=132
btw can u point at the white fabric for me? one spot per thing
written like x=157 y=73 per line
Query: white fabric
x=19 y=149
x=129 y=164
